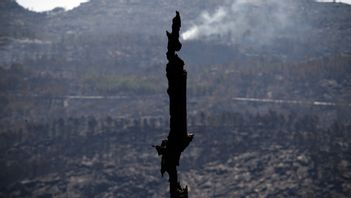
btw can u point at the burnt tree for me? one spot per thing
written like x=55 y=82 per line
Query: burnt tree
x=178 y=138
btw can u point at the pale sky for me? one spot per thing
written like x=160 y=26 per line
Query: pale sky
x=45 y=5
x=344 y=1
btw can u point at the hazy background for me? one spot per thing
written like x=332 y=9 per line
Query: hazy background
x=83 y=98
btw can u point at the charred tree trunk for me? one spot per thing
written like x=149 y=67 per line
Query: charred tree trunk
x=178 y=138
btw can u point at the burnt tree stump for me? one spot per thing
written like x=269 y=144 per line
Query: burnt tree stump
x=178 y=138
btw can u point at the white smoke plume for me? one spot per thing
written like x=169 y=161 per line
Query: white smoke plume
x=249 y=20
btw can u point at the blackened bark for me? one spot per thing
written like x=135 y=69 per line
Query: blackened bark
x=178 y=138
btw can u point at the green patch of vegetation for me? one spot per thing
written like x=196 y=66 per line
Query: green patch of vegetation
x=116 y=84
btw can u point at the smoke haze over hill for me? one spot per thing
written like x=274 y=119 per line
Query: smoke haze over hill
x=254 y=20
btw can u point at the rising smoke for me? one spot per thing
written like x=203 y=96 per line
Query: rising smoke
x=257 y=21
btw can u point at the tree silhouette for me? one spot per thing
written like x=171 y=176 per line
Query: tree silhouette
x=178 y=138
